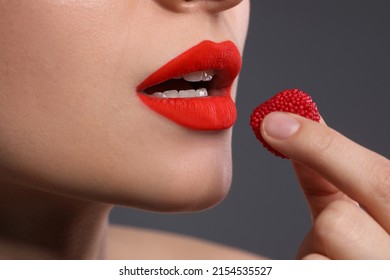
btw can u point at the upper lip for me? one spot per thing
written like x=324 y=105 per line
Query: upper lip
x=224 y=58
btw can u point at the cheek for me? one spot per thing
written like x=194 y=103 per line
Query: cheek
x=237 y=20
x=60 y=90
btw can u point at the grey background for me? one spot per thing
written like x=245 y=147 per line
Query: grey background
x=338 y=51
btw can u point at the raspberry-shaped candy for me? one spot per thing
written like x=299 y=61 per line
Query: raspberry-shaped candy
x=291 y=100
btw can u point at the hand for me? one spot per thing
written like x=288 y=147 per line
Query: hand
x=346 y=185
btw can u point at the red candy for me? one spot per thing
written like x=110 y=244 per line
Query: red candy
x=292 y=101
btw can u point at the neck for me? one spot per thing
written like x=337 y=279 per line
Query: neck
x=39 y=225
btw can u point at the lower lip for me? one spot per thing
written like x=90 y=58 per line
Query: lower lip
x=203 y=113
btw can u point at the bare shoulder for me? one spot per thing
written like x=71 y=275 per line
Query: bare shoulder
x=135 y=243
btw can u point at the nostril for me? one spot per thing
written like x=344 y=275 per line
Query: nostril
x=210 y=6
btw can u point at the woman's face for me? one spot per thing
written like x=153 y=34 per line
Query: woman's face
x=71 y=120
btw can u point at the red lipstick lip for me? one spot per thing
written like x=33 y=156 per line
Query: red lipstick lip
x=214 y=112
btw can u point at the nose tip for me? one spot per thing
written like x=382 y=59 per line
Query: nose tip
x=210 y=6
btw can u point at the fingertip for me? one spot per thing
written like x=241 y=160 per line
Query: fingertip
x=279 y=126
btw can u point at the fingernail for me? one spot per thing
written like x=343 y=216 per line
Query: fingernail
x=280 y=125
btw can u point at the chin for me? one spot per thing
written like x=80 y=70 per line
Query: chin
x=189 y=172
x=190 y=198
x=181 y=188
x=195 y=194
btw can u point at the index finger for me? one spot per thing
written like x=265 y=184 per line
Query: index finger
x=358 y=172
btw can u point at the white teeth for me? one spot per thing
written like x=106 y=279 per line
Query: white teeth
x=202 y=92
x=187 y=93
x=207 y=76
x=199 y=76
x=159 y=94
x=193 y=77
x=171 y=94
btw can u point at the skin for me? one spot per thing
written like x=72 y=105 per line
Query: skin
x=346 y=185
x=76 y=140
